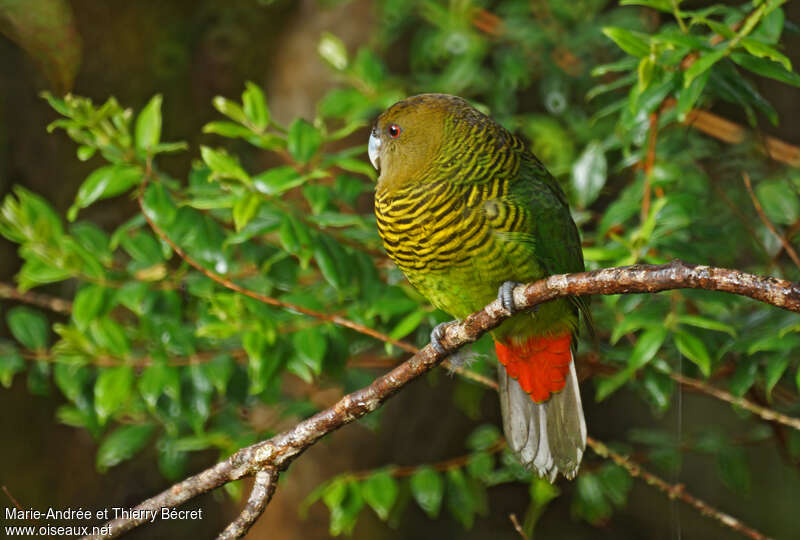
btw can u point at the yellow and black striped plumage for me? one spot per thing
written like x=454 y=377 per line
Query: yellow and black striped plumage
x=481 y=211
x=462 y=207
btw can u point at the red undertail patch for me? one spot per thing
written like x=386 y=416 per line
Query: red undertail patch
x=540 y=364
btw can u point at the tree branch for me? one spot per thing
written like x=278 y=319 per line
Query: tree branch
x=674 y=491
x=277 y=453
x=260 y=495
x=763 y=412
x=767 y=223
x=58 y=305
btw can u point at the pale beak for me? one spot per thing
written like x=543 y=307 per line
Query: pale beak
x=374 y=148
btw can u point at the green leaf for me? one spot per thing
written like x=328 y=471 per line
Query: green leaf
x=278 y=179
x=460 y=501
x=483 y=437
x=762 y=50
x=255 y=106
x=159 y=205
x=122 y=444
x=645 y=72
x=103 y=183
x=260 y=366
x=796 y=378
x=634 y=43
x=616 y=483
x=770 y=28
x=589 y=173
x=171 y=461
x=380 y=492
x=143 y=248
x=85 y=153
x=110 y=335
x=661 y=5
x=28 y=326
x=159 y=379
x=112 y=390
x=776 y=367
x=344 y=501
x=89 y=304
x=427 y=488
x=148 y=124
x=245 y=209
x=11 y=363
x=333 y=51
x=408 y=324
x=780 y=201
x=480 y=465
x=230 y=109
x=590 y=502
x=646 y=347
x=219 y=372
x=766 y=68
x=310 y=345
x=734 y=469
x=658 y=387
x=701 y=65
x=227 y=129
x=223 y=164
x=744 y=376
x=304 y=141
x=688 y=95
x=708 y=324
x=694 y=349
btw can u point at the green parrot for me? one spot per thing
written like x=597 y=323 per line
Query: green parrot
x=466 y=211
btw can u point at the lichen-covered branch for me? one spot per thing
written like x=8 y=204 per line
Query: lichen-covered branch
x=263 y=488
x=277 y=453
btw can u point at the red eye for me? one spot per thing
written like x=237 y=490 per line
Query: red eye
x=394 y=131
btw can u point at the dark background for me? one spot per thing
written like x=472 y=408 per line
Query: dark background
x=190 y=51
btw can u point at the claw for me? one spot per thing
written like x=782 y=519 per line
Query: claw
x=436 y=337
x=506 y=296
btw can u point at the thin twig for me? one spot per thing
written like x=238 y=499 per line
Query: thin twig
x=596 y=367
x=674 y=491
x=649 y=161
x=763 y=412
x=13 y=500
x=760 y=211
x=52 y=303
x=335 y=319
x=458 y=462
x=730 y=132
x=278 y=452
x=228 y=284
x=793 y=229
x=263 y=488
x=517 y=526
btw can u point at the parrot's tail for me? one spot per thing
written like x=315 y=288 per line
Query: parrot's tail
x=547 y=435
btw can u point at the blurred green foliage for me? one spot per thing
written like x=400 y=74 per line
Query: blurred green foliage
x=156 y=352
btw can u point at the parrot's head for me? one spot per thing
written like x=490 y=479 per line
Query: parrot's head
x=411 y=135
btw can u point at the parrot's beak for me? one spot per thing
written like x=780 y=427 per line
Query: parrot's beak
x=374 y=148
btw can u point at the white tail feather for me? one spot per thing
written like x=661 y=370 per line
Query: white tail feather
x=547 y=437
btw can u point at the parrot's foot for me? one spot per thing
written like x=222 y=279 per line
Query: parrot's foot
x=506 y=296
x=436 y=336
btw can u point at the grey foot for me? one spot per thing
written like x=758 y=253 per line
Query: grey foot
x=506 y=296
x=436 y=337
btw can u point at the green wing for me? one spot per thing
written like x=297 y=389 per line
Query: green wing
x=545 y=239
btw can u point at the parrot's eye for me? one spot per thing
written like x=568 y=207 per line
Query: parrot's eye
x=394 y=131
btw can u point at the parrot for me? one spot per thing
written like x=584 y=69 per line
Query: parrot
x=467 y=212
